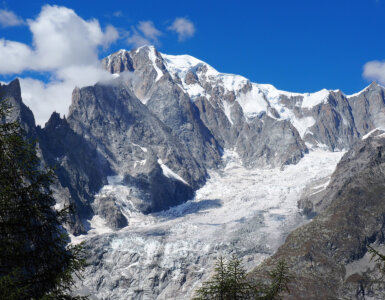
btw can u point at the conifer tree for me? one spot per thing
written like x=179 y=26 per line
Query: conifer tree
x=230 y=282
x=35 y=261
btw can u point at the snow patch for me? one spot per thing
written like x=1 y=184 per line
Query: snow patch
x=320 y=188
x=227 y=110
x=170 y=173
x=181 y=64
x=370 y=133
x=153 y=58
x=273 y=94
x=359 y=93
x=98 y=227
x=252 y=102
x=144 y=149
x=140 y=48
x=194 y=90
x=140 y=162
x=302 y=124
x=314 y=99
x=232 y=82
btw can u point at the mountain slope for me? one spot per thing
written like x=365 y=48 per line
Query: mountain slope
x=240 y=114
x=168 y=129
x=328 y=257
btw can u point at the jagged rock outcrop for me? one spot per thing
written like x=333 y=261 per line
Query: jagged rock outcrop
x=227 y=111
x=154 y=86
x=199 y=119
x=368 y=108
x=80 y=168
x=19 y=112
x=109 y=132
x=137 y=145
x=145 y=140
x=328 y=256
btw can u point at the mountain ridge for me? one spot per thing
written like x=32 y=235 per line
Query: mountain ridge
x=137 y=146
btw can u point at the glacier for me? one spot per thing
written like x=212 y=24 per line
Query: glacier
x=167 y=255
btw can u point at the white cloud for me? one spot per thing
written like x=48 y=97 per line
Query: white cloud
x=39 y=95
x=375 y=70
x=9 y=19
x=149 y=31
x=183 y=27
x=62 y=38
x=110 y=36
x=137 y=40
x=64 y=45
x=145 y=33
x=14 y=57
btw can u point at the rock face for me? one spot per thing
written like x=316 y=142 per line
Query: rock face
x=20 y=112
x=328 y=256
x=257 y=120
x=164 y=120
x=80 y=168
x=146 y=140
x=199 y=106
x=136 y=144
x=109 y=132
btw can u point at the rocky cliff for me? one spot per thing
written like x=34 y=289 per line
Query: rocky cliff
x=162 y=121
x=328 y=257
x=147 y=139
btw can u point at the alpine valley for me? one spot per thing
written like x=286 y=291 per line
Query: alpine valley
x=171 y=163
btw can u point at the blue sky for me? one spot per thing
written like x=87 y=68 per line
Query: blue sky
x=299 y=46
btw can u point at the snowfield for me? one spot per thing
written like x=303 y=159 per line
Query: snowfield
x=168 y=254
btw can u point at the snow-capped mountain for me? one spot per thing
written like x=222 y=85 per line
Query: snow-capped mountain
x=171 y=163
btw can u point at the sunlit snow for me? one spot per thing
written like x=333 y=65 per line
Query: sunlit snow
x=311 y=100
x=248 y=212
x=170 y=173
x=152 y=57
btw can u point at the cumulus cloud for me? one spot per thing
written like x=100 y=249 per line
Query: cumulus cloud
x=14 y=57
x=183 y=27
x=9 y=19
x=62 y=38
x=44 y=98
x=64 y=45
x=375 y=70
x=137 y=40
x=111 y=34
x=145 y=33
x=149 y=30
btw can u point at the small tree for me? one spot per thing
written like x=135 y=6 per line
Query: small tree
x=217 y=287
x=230 y=282
x=279 y=282
x=239 y=285
x=35 y=261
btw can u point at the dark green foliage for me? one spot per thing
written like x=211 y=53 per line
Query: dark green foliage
x=279 y=282
x=230 y=282
x=35 y=261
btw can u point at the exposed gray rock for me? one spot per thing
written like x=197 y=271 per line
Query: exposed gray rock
x=107 y=208
x=19 y=112
x=154 y=86
x=201 y=123
x=321 y=253
x=79 y=166
x=326 y=119
x=368 y=108
x=136 y=144
x=334 y=126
